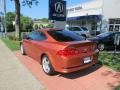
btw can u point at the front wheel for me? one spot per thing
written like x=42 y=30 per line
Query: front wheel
x=101 y=47
x=47 y=66
x=84 y=35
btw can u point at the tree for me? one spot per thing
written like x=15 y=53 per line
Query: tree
x=17 y=13
x=36 y=27
x=10 y=17
x=44 y=20
x=49 y=26
x=26 y=23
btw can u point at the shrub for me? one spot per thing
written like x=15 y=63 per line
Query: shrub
x=111 y=60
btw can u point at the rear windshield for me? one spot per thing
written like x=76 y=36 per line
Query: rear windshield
x=65 y=36
x=104 y=34
x=84 y=28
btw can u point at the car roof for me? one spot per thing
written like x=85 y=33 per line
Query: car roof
x=114 y=32
x=76 y=26
x=49 y=29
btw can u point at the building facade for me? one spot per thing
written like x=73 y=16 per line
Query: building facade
x=96 y=15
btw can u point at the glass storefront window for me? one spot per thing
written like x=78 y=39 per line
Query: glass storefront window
x=94 y=27
x=111 y=21
x=117 y=27
x=111 y=27
x=117 y=21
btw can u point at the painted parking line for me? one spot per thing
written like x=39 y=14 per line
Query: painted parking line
x=94 y=78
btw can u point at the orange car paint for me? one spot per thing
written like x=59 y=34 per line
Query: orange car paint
x=64 y=64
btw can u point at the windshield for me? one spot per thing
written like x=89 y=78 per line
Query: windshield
x=65 y=36
x=84 y=28
x=104 y=34
x=75 y=29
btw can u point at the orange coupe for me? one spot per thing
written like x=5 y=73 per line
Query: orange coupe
x=59 y=50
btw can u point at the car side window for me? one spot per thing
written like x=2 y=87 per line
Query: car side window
x=75 y=29
x=111 y=38
x=70 y=28
x=37 y=35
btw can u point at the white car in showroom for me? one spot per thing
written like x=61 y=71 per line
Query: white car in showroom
x=83 y=31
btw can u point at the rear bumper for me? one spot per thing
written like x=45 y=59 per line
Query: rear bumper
x=73 y=69
x=71 y=65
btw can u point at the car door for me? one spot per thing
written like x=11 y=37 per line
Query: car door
x=37 y=45
x=28 y=43
x=109 y=41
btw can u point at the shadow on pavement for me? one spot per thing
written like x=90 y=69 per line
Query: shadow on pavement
x=81 y=73
x=115 y=78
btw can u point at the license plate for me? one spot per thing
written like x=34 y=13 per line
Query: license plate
x=87 y=60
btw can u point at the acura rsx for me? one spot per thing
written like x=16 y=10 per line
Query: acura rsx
x=59 y=50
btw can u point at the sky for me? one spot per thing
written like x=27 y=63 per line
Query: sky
x=39 y=11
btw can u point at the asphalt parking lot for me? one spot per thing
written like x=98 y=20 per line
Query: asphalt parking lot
x=94 y=78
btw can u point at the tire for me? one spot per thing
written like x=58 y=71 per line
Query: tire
x=101 y=47
x=22 y=50
x=47 y=66
x=84 y=36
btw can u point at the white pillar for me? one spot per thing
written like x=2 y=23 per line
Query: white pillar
x=60 y=24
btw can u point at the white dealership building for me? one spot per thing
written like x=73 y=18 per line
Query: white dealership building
x=96 y=15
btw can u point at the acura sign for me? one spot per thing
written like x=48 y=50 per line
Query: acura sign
x=59 y=7
x=57 y=10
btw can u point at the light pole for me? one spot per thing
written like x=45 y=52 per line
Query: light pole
x=1 y=18
x=5 y=17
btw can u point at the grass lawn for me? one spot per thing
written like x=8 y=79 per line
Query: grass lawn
x=12 y=44
x=118 y=88
x=110 y=60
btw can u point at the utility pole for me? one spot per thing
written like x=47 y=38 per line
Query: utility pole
x=1 y=18
x=5 y=17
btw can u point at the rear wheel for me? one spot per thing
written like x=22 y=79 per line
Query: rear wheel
x=84 y=35
x=22 y=50
x=101 y=47
x=47 y=66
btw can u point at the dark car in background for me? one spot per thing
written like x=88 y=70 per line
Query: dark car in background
x=107 y=40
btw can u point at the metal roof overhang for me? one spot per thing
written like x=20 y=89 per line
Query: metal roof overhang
x=97 y=17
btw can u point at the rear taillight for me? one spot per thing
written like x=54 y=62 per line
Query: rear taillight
x=68 y=52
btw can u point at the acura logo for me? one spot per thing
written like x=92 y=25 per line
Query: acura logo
x=59 y=7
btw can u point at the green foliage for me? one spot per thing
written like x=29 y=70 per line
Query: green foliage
x=41 y=26
x=49 y=26
x=44 y=20
x=12 y=44
x=36 y=27
x=111 y=60
x=10 y=17
x=117 y=88
x=26 y=22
